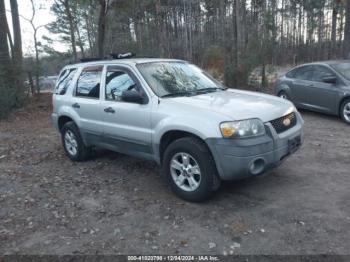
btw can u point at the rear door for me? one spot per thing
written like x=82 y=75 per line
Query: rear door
x=126 y=126
x=301 y=81
x=86 y=102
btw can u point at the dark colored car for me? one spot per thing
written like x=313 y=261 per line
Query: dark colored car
x=323 y=87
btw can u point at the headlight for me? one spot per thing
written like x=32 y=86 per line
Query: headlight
x=244 y=128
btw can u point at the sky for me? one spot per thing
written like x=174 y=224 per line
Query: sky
x=43 y=16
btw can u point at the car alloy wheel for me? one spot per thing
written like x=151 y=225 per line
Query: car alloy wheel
x=185 y=172
x=71 y=143
x=346 y=112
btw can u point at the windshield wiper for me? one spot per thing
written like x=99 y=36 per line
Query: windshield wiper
x=208 y=90
x=179 y=94
x=194 y=92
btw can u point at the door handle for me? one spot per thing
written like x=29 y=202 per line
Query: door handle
x=109 y=110
x=76 y=105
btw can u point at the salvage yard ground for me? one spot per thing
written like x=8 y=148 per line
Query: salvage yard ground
x=115 y=204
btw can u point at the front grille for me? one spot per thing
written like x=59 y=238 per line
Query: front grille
x=284 y=123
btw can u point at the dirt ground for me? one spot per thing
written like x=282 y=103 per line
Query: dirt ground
x=115 y=204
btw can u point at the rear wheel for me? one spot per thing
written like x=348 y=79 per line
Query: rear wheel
x=73 y=143
x=190 y=169
x=345 y=111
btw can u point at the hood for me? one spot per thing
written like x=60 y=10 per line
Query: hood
x=239 y=105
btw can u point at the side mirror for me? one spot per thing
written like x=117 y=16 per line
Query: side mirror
x=132 y=96
x=330 y=80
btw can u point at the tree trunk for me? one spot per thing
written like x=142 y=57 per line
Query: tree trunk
x=346 y=47
x=264 y=39
x=333 y=45
x=17 y=48
x=80 y=42
x=102 y=27
x=71 y=28
x=37 y=62
x=282 y=28
x=238 y=35
x=300 y=33
x=89 y=35
x=340 y=32
x=31 y=84
x=244 y=24
x=320 y=38
x=235 y=19
x=17 y=39
x=4 y=47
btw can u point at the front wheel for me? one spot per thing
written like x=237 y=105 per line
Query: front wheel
x=190 y=169
x=283 y=95
x=345 y=111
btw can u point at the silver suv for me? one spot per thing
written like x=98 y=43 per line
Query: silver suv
x=173 y=113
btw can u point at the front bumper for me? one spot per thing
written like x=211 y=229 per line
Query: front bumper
x=240 y=158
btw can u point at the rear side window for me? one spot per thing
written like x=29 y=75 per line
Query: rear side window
x=304 y=73
x=88 y=84
x=64 y=81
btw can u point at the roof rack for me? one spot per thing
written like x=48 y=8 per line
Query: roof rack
x=90 y=59
x=122 y=56
x=111 y=56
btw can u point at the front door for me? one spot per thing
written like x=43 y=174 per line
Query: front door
x=323 y=96
x=126 y=126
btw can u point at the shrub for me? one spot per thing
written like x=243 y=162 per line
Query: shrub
x=11 y=93
x=7 y=100
x=214 y=58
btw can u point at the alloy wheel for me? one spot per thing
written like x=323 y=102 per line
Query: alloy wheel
x=71 y=143
x=346 y=112
x=185 y=171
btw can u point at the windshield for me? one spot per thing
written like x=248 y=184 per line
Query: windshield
x=343 y=69
x=177 y=78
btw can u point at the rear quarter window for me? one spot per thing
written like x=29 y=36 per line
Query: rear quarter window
x=64 y=81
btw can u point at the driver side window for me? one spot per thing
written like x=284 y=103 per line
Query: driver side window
x=321 y=72
x=118 y=81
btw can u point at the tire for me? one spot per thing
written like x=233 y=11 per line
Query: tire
x=344 y=108
x=199 y=159
x=283 y=95
x=73 y=143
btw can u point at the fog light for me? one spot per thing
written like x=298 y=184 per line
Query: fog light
x=257 y=166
